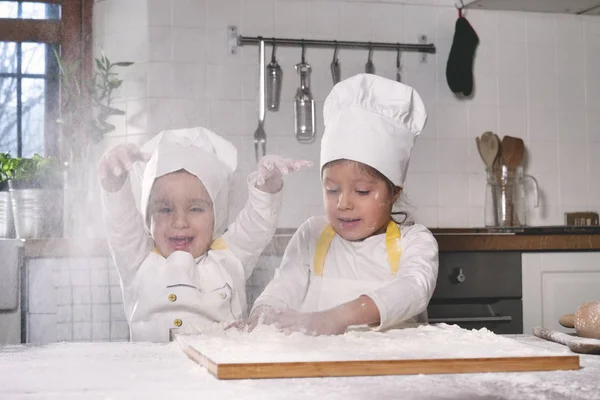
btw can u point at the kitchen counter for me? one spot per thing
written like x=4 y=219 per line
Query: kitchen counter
x=160 y=371
x=465 y=241
x=50 y=248
x=449 y=239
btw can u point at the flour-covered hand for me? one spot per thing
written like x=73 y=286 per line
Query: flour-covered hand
x=115 y=164
x=262 y=315
x=272 y=168
x=330 y=322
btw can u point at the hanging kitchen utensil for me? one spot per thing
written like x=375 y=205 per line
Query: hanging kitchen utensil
x=335 y=66
x=260 y=137
x=304 y=104
x=274 y=78
x=398 y=67
x=369 y=66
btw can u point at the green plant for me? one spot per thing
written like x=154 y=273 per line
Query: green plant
x=87 y=104
x=37 y=172
x=7 y=167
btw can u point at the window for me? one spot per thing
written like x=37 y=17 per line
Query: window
x=30 y=33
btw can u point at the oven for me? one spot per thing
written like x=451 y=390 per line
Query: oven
x=479 y=290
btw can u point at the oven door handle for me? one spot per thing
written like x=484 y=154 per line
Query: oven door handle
x=499 y=318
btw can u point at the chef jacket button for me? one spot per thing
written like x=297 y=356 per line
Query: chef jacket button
x=172 y=297
x=223 y=295
x=178 y=322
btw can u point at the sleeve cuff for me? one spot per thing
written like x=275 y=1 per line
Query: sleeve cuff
x=262 y=197
x=121 y=201
x=383 y=314
x=268 y=301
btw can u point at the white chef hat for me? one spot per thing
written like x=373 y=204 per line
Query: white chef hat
x=201 y=153
x=372 y=120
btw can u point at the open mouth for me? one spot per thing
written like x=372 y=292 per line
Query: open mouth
x=349 y=222
x=180 y=242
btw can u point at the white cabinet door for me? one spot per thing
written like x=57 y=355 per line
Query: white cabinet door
x=555 y=284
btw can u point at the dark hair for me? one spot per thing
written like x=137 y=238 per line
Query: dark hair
x=374 y=173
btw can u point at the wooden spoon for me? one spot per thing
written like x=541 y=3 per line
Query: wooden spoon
x=513 y=150
x=488 y=147
x=512 y=154
x=586 y=320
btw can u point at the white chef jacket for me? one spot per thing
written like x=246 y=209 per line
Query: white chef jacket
x=179 y=292
x=355 y=268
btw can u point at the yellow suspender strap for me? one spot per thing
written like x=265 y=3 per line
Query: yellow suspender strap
x=218 y=244
x=392 y=244
x=321 y=249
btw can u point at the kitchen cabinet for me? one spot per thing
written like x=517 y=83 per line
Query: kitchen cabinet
x=584 y=7
x=555 y=284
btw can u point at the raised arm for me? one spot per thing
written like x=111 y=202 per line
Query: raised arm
x=127 y=237
x=252 y=230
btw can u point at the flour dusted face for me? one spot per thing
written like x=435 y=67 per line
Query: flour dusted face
x=181 y=214
x=358 y=204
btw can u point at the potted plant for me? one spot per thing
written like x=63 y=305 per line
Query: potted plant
x=87 y=107
x=37 y=172
x=7 y=168
x=36 y=192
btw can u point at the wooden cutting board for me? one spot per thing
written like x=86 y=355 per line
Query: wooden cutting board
x=356 y=362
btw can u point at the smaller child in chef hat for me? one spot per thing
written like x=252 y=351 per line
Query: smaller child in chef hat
x=179 y=263
x=356 y=265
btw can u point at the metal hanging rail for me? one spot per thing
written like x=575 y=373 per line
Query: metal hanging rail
x=239 y=40
x=421 y=48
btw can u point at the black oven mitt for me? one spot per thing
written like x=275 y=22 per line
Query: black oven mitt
x=459 y=70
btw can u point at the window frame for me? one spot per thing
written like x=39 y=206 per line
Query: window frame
x=73 y=33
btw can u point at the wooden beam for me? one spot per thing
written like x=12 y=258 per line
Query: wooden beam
x=44 y=1
x=71 y=32
x=87 y=37
x=30 y=30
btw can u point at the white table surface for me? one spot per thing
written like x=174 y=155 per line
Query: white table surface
x=160 y=371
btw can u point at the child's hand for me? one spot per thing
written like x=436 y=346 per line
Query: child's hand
x=330 y=322
x=271 y=169
x=262 y=315
x=115 y=165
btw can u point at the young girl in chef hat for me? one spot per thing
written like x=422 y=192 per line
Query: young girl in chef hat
x=178 y=265
x=357 y=265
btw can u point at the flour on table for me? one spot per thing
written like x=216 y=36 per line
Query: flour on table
x=266 y=344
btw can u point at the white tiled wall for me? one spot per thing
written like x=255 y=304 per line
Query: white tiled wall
x=74 y=299
x=537 y=77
